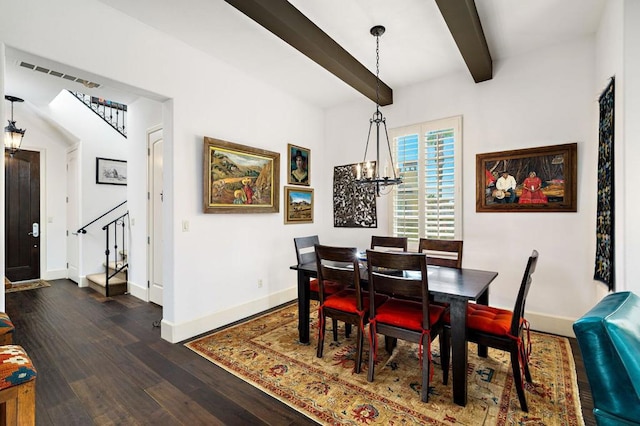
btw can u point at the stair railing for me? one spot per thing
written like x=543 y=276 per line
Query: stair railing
x=112 y=227
x=83 y=229
x=113 y=113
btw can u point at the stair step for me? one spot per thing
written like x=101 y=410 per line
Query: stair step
x=115 y=265
x=117 y=286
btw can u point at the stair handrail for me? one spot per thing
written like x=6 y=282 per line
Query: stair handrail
x=125 y=264
x=83 y=229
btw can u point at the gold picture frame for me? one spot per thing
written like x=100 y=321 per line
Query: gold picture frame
x=298 y=205
x=299 y=161
x=239 y=178
x=544 y=178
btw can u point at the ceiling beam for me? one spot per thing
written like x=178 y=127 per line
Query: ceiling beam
x=288 y=23
x=464 y=24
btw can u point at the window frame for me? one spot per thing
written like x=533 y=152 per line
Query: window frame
x=421 y=129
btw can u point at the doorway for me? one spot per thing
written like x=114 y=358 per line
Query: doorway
x=22 y=216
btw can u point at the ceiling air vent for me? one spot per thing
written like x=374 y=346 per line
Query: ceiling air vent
x=85 y=83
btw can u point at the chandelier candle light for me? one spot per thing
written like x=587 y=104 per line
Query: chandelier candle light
x=366 y=172
x=12 y=135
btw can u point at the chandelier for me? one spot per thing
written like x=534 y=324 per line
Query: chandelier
x=12 y=135
x=368 y=173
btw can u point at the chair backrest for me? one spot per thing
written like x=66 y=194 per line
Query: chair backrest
x=389 y=242
x=305 y=248
x=402 y=275
x=442 y=252
x=518 y=310
x=338 y=265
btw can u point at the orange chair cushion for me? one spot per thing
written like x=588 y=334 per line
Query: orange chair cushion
x=489 y=320
x=330 y=287
x=15 y=366
x=406 y=314
x=346 y=301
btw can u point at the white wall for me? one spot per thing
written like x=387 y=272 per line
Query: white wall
x=211 y=272
x=542 y=98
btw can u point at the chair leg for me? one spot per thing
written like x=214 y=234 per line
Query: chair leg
x=445 y=354
x=372 y=350
x=359 y=345
x=321 y=331
x=525 y=358
x=335 y=330
x=517 y=379
x=347 y=330
x=425 y=370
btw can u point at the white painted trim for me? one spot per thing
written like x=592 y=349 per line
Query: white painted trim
x=175 y=333
x=54 y=275
x=562 y=326
x=140 y=292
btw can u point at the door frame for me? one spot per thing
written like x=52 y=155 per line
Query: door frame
x=150 y=211
x=70 y=232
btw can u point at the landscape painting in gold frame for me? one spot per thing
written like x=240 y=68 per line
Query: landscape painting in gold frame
x=298 y=205
x=239 y=178
x=545 y=180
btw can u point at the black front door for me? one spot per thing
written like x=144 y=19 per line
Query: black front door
x=22 y=215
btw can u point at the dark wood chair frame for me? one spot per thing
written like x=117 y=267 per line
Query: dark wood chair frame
x=438 y=252
x=386 y=276
x=341 y=265
x=514 y=342
x=389 y=242
x=303 y=255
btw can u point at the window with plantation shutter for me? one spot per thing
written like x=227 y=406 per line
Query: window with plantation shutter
x=428 y=203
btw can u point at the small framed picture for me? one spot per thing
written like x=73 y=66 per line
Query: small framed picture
x=111 y=172
x=299 y=160
x=298 y=205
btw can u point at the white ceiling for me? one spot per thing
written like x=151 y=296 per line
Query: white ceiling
x=417 y=45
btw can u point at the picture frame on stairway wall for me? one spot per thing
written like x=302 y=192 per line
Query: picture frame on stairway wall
x=110 y=171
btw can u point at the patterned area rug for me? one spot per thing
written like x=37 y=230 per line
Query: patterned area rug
x=265 y=352
x=28 y=285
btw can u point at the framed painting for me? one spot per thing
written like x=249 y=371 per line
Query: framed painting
x=111 y=172
x=541 y=179
x=239 y=178
x=298 y=205
x=299 y=160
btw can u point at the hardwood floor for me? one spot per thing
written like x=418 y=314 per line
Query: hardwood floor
x=101 y=361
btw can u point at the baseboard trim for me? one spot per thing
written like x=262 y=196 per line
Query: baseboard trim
x=551 y=324
x=141 y=293
x=54 y=275
x=175 y=333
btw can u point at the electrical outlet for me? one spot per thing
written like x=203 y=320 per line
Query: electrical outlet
x=260 y=283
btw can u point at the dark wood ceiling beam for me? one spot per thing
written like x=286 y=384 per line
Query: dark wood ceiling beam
x=464 y=24
x=288 y=23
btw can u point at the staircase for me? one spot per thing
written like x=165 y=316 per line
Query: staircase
x=117 y=273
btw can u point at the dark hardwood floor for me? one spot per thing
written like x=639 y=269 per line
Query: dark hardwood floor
x=101 y=361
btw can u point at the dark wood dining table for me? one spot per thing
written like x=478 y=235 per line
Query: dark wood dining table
x=450 y=285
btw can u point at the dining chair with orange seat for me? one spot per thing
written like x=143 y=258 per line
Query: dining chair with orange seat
x=305 y=253
x=407 y=315
x=503 y=329
x=341 y=265
x=388 y=242
x=442 y=252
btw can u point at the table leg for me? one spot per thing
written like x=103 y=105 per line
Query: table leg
x=459 y=353
x=303 y=307
x=483 y=300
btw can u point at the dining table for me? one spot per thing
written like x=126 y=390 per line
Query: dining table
x=456 y=287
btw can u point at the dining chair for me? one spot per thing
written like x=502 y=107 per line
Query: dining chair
x=389 y=242
x=442 y=252
x=407 y=315
x=503 y=329
x=341 y=265
x=305 y=253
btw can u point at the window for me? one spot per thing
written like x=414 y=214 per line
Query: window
x=428 y=204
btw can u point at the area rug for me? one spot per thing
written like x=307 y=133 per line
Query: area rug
x=266 y=353
x=27 y=285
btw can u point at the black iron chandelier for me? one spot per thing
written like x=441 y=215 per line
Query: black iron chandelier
x=368 y=173
x=12 y=135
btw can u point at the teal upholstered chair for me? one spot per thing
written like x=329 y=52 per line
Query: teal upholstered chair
x=609 y=339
